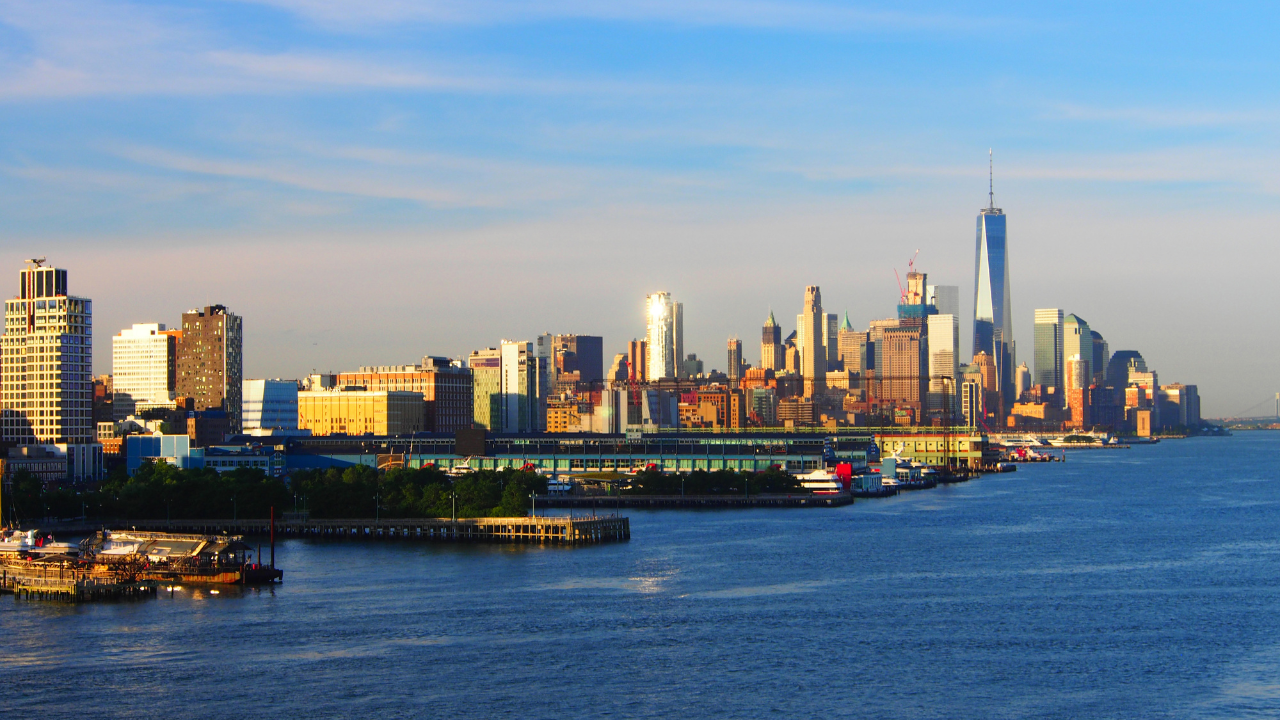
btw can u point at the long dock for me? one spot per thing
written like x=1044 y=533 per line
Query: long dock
x=552 y=530
x=694 y=501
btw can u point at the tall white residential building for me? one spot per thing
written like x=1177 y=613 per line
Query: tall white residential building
x=523 y=393
x=142 y=367
x=269 y=405
x=663 y=339
x=944 y=360
x=47 y=370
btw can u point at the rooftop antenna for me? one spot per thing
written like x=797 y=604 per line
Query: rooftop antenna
x=991 y=180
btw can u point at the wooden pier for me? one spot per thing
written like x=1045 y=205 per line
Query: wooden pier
x=56 y=581
x=695 y=501
x=539 y=530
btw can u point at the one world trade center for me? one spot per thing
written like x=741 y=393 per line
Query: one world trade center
x=992 y=317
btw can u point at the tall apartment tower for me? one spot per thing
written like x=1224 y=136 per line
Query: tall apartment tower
x=47 y=369
x=677 y=332
x=486 y=388
x=663 y=348
x=733 y=367
x=211 y=361
x=144 y=369
x=813 y=354
x=771 y=345
x=992 y=314
x=524 y=394
x=1048 y=360
x=638 y=361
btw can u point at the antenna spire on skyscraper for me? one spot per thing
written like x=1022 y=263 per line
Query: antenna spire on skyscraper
x=991 y=180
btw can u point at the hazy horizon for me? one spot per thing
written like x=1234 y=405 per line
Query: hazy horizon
x=366 y=183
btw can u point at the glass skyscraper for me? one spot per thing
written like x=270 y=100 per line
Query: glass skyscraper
x=1048 y=349
x=992 y=317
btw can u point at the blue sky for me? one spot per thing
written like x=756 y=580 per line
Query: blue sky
x=367 y=182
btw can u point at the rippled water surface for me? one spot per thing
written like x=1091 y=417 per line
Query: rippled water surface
x=1129 y=584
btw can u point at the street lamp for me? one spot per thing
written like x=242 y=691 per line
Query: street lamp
x=534 y=496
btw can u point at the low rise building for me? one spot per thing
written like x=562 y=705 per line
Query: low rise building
x=360 y=412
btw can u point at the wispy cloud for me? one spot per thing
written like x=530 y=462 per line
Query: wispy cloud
x=1164 y=117
x=755 y=14
x=105 y=48
x=335 y=181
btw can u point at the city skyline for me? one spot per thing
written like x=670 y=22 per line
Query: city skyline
x=150 y=136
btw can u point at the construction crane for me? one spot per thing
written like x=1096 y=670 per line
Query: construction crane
x=36 y=261
x=911 y=266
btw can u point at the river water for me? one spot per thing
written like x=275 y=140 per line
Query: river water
x=1134 y=583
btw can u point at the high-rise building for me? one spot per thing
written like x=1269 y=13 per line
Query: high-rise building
x=1101 y=355
x=1078 y=376
x=270 y=405
x=47 y=365
x=992 y=313
x=638 y=360
x=1048 y=348
x=830 y=333
x=211 y=361
x=985 y=367
x=691 y=366
x=813 y=355
x=1077 y=340
x=946 y=298
x=618 y=370
x=143 y=367
x=971 y=408
x=1021 y=381
x=733 y=367
x=1121 y=365
x=906 y=375
x=944 y=360
x=851 y=347
x=791 y=353
x=662 y=336
x=580 y=354
x=486 y=388
x=771 y=345
x=524 y=393
x=678 y=333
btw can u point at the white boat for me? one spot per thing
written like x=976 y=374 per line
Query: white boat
x=820 y=481
x=33 y=542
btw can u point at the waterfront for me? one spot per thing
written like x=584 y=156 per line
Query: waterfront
x=1137 y=583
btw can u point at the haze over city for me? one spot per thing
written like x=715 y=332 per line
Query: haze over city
x=366 y=183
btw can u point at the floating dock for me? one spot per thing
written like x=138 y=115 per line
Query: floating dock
x=538 y=530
